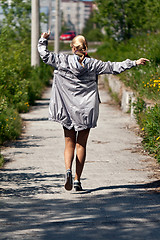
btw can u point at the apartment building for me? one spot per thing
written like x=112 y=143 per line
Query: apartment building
x=48 y=7
x=75 y=13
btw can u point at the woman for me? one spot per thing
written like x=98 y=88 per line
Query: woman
x=74 y=100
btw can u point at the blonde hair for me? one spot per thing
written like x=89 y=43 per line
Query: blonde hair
x=81 y=45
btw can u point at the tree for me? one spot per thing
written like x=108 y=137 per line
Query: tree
x=92 y=29
x=17 y=18
x=122 y=18
x=152 y=9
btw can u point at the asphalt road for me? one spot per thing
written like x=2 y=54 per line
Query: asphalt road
x=119 y=200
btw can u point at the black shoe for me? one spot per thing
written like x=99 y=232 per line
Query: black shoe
x=77 y=186
x=68 y=180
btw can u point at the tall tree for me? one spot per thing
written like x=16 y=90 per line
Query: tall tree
x=92 y=30
x=17 y=18
x=152 y=9
x=121 y=18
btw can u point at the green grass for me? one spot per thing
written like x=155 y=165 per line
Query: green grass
x=1 y=160
x=10 y=125
x=148 y=120
x=141 y=78
x=145 y=80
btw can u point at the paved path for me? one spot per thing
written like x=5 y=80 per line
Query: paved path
x=119 y=201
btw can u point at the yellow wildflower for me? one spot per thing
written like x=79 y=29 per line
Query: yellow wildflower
x=157 y=138
x=142 y=129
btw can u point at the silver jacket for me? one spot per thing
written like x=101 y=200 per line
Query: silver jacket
x=74 y=99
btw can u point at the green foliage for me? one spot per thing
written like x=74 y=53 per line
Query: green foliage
x=20 y=84
x=92 y=30
x=1 y=160
x=10 y=125
x=121 y=18
x=94 y=35
x=139 y=108
x=17 y=19
x=149 y=120
x=142 y=78
x=10 y=121
x=151 y=138
x=152 y=10
x=39 y=78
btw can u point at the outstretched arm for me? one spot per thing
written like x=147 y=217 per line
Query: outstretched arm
x=117 y=67
x=46 y=56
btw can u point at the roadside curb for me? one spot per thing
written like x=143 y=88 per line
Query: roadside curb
x=127 y=97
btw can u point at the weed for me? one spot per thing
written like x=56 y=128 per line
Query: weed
x=145 y=80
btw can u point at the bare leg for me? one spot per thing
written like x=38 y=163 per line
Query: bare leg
x=70 y=143
x=81 y=152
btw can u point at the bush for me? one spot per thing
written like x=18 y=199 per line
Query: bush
x=38 y=80
x=94 y=35
x=143 y=79
x=17 y=94
x=149 y=120
x=10 y=124
x=20 y=84
x=1 y=160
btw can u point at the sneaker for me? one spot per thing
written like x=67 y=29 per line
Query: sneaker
x=68 y=180
x=77 y=186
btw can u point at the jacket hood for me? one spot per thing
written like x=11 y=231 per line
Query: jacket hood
x=75 y=67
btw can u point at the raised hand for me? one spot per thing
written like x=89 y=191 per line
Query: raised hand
x=46 y=34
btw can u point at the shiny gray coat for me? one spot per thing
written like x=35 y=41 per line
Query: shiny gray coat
x=74 y=99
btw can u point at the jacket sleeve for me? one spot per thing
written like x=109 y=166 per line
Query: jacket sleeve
x=47 y=57
x=113 y=67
